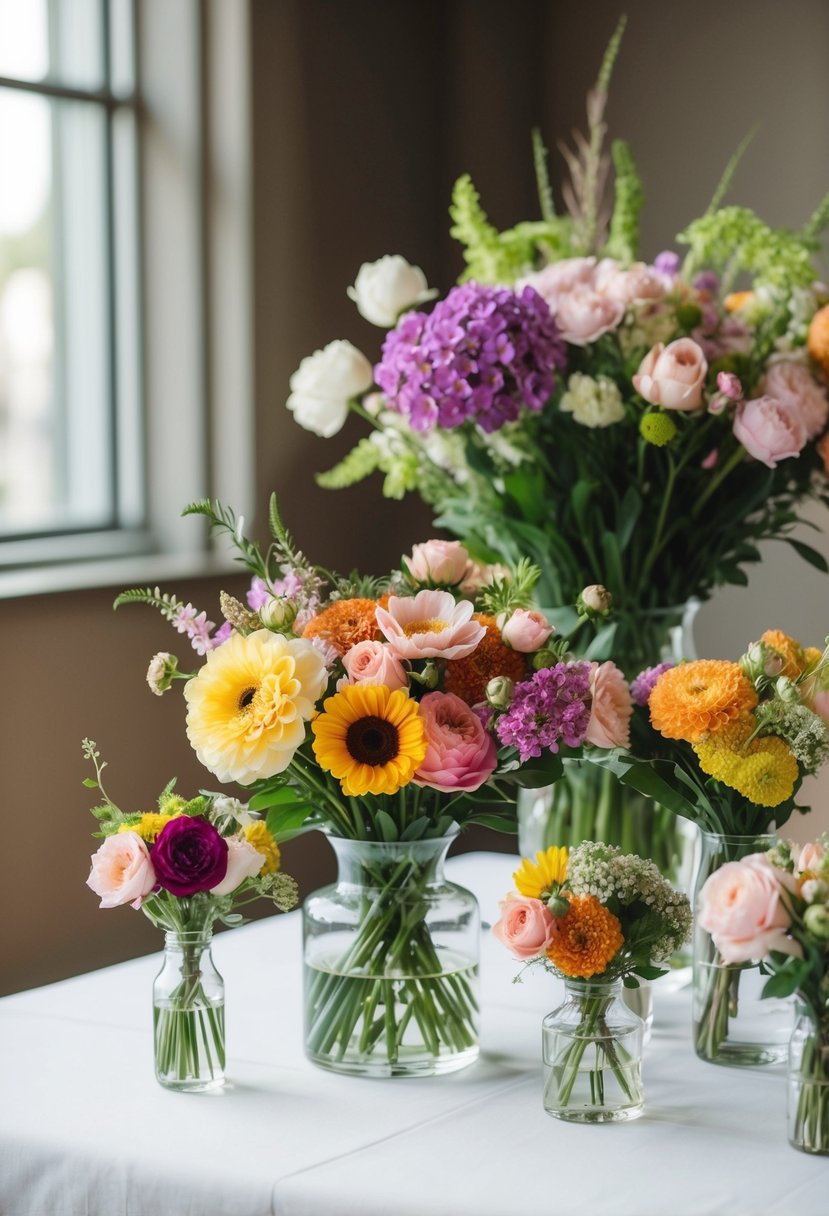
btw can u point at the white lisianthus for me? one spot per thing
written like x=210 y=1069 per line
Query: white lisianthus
x=323 y=385
x=386 y=288
x=593 y=403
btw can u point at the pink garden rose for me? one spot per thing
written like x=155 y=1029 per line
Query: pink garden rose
x=582 y=311
x=429 y=625
x=374 y=663
x=769 y=430
x=740 y=905
x=243 y=861
x=611 y=708
x=439 y=561
x=122 y=872
x=672 y=376
x=526 y=631
x=811 y=858
x=634 y=284
x=526 y=926
x=794 y=386
x=461 y=754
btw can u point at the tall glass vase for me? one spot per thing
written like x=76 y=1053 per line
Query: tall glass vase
x=808 y=1099
x=189 y=1015
x=731 y=1023
x=391 y=963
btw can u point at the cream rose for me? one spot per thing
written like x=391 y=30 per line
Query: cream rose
x=672 y=376
x=243 y=861
x=374 y=663
x=526 y=926
x=526 y=630
x=769 y=430
x=323 y=385
x=740 y=905
x=386 y=288
x=439 y=561
x=794 y=386
x=122 y=872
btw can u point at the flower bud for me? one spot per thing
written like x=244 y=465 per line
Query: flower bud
x=753 y=661
x=558 y=904
x=499 y=692
x=815 y=890
x=430 y=675
x=161 y=672
x=730 y=386
x=786 y=690
x=594 y=601
x=278 y=613
x=816 y=920
x=544 y=658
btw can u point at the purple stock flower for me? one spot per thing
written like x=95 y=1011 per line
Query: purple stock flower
x=481 y=355
x=189 y=855
x=553 y=705
x=259 y=593
x=642 y=686
x=667 y=263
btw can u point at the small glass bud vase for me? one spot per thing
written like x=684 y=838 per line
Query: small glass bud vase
x=189 y=1015
x=808 y=1095
x=592 y=1050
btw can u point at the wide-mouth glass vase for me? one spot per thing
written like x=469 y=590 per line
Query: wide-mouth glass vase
x=189 y=1015
x=592 y=1052
x=391 y=955
x=732 y=1024
x=808 y=1093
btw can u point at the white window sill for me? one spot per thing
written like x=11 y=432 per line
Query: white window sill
x=119 y=573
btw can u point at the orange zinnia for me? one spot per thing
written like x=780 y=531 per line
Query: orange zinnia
x=587 y=938
x=467 y=678
x=344 y=623
x=693 y=699
x=790 y=651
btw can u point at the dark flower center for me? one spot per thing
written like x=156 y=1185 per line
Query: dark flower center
x=246 y=698
x=372 y=740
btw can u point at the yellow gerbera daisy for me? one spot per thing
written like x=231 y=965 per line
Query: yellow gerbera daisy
x=587 y=938
x=257 y=834
x=533 y=878
x=371 y=739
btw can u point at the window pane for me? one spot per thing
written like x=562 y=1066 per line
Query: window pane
x=61 y=40
x=24 y=39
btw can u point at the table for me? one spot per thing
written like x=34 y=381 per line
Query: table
x=86 y=1131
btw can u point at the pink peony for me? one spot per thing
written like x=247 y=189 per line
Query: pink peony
x=672 y=376
x=793 y=385
x=429 y=625
x=611 y=708
x=374 y=663
x=740 y=906
x=526 y=926
x=439 y=561
x=243 y=861
x=583 y=315
x=461 y=755
x=526 y=631
x=769 y=430
x=122 y=872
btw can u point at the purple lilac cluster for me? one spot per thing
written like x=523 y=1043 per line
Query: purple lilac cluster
x=553 y=705
x=481 y=355
x=642 y=686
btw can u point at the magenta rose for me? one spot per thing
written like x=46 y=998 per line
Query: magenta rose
x=189 y=856
x=526 y=926
x=769 y=430
x=740 y=905
x=460 y=754
x=794 y=386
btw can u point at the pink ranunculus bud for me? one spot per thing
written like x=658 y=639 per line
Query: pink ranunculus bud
x=769 y=430
x=439 y=561
x=526 y=631
x=673 y=376
x=526 y=926
x=730 y=386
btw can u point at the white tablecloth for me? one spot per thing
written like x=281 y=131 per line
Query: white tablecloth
x=86 y=1131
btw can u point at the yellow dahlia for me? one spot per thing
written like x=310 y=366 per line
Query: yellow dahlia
x=764 y=771
x=790 y=651
x=149 y=825
x=248 y=705
x=257 y=834
x=468 y=677
x=533 y=878
x=344 y=623
x=371 y=739
x=693 y=699
x=587 y=939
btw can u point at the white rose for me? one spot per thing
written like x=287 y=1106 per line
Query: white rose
x=243 y=861
x=387 y=287
x=323 y=384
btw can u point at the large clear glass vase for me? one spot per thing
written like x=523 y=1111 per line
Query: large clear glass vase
x=189 y=1015
x=808 y=1096
x=391 y=963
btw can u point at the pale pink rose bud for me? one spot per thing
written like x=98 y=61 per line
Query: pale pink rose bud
x=439 y=561
x=794 y=386
x=243 y=861
x=526 y=631
x=816 y=920
x=811 y=857
x=730 y=386
x=740 y=905
x=596 y=598
x=526 y=926
x=374 y=663
x=122 y=872
x=611 y=708
x=673 y=376
x=769 y=430
x=278 y=612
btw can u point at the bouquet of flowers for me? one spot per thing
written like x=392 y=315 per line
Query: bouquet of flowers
x=389 y=712
x=593 y=916
x=188 y=865
x=774 y=907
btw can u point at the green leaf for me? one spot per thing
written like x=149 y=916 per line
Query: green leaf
x=90 y=783
x=280 y=796
x=415 y=829
x=783 y=984
x=629 y=512
x=601 y=647
x=809 y=554
x=282 y=820
x=538 y=773
x=499 y=823
x=614 y=576
x=387 y=826
x=580 y=496
x=360 y=462
x=647 y=971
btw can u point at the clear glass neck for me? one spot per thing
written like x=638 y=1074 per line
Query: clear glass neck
x=596 y=988
x=368 y=862
x=191 y=939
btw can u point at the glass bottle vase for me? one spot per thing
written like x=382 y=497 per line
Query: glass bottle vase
x=592 y=1052
x=391 y=963
x=189 y=1015
x=808 y=1092
x=732 y=1025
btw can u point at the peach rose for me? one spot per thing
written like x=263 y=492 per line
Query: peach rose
x=611 y=708
x=526 y=926
x=243 y=861
x=461 y=754
x=122 y=872
x=740 y=906
x=526 y=631
x=794 y=386
x=811 y=858
x=439 y=561
x=769 y=430
x=374 y=663
x=672 y=376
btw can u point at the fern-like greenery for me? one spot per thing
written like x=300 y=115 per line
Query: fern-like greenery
x=816 y=223
x=629 y=196
x=501 y=257
x=224 y=519
x=542 y=177
x=166 y=604
x=513 y=591
x=360 y=463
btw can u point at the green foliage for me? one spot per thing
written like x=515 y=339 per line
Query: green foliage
x=360 y=462
x=501 y=257
x=513 y=591
x=224 y=519
x=724 y=184
x=629 y=198
x=817 y=222
x=166 y=604
x=542 y=177
x=734 y=239
x=611 y=55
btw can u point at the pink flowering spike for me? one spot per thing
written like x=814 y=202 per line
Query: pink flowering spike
x=258 y=594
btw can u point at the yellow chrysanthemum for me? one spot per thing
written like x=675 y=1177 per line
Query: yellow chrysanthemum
x=371 y=739
x=790 y=651
x=248 y=705
x=262 y=840
x=764 y=771
x=149 y=825
x=344 y=623
x=587 y=938
x=693 y=699
x=533 y=878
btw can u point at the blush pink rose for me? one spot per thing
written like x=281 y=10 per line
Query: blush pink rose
x=374 y=663
x=122 y=872
x=583 y=315
x=611 y=708
x=769 y=430
x=740 y=905
x=636 y=284
x=820 y=704
x=793 y=385
x=559 y=278
x=526 y=926
x=460 y=755
x=243 y=861
x=526 y=631
x=811 y=857
x=672 y=376
x=439 y=561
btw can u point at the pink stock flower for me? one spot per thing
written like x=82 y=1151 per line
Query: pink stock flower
x=439 y=561
x=374 y=663
x=429 y=625
x=740 y=905
x=526 y=631
x=196 y=626
x=672 y=376
x=122 y=872
x=793 y=385
x=526 y=926
x=769 y=430
x=461 y=755
x=611 y=708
